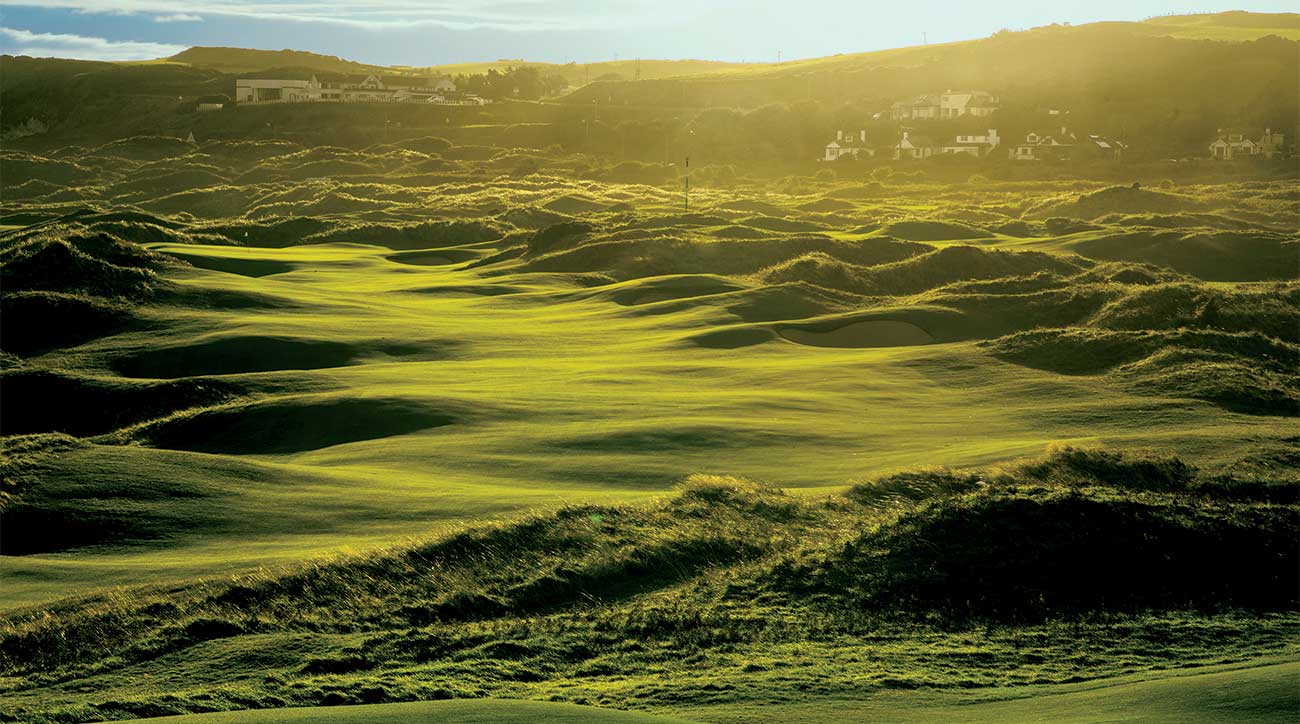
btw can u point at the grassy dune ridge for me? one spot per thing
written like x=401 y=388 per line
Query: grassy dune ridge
x=320 y=426
x=630 y=605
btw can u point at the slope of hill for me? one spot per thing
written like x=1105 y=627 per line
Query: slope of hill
x=1084 y=71
x=471 y=711
x=580 y=74
x=1259 y=694
x=1087 y=70
x=17 y=70
x=1233 y=25
x=244 y=60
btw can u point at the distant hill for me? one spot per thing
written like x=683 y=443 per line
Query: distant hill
x=1160 y=81
x=100 y=101
x=246 y=60
x=579 y=74
x=1166 y=83
x=1060 y=53
x=15 y=70
x=1234 y=25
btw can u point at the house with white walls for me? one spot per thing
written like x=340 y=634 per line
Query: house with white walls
x=848 y=143
x=369 y=89
x=978 y=145
x=954 y=104
x=269 y=90
x=922 y=107
x=1063 y=144
x=1044 y=145
x=914 y=146
x=946 y=105
x=1231 y=143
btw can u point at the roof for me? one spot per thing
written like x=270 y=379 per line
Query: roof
x=1103 y=142
x=1061 y=138
x=408 y=81
x=918 y=141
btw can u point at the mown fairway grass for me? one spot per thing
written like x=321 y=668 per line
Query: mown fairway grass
x=486 y=711
x=1261 y=694
x=557 y=394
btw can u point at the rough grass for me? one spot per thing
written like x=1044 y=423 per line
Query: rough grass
x=55 y=260
x=1081 y=540
x=1243 y=371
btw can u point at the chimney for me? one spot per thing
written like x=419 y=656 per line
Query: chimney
x=839 y=135
x=904 y=135
x=862 y=135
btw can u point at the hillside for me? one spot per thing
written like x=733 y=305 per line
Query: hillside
x=1085 y=70
x=580 y=74
x=1233 y=25
x=245 y=60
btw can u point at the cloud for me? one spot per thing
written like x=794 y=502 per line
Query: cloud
x=508 y=15
x=177 y=18
x=15 y=41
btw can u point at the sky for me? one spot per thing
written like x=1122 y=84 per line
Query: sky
x=431 y=32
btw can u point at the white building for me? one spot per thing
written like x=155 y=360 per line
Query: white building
x=371 y=89
x=978 y=145
x=1039 y=145
x=911 y=146
x=920 y=107
x=950 y=104
x=260 y=90
x=848 y=143
x=1064 y=144
x=1232 y=144
x=953 y=104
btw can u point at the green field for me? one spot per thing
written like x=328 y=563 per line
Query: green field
x=485 y=711
x=471 y=392
x=1263 y=693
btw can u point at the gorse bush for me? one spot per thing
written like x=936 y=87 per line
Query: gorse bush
x=1010 y=557
x=1072 y=466
x=914 y=486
